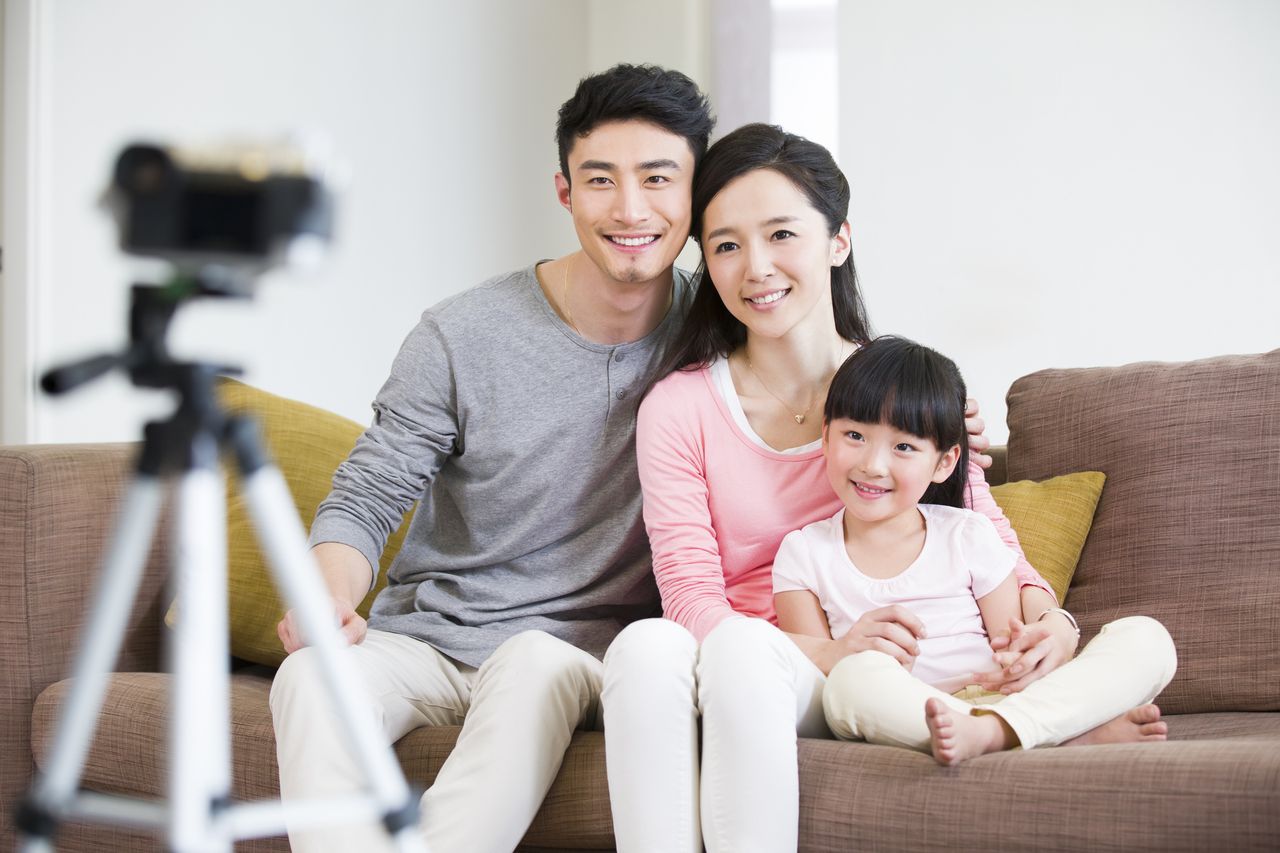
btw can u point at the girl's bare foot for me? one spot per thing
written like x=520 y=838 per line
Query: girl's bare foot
x=1137 y=725
x=956 y=736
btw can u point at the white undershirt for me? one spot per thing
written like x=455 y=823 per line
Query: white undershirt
x=723 y=380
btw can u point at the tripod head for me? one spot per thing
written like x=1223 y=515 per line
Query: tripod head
x=147 y=359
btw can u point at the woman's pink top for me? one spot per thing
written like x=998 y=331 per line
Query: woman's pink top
x=717 y=505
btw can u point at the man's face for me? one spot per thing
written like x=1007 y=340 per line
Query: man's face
x=630 y=198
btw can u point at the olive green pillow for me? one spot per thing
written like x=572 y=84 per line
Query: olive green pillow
x=307 y=444
x=1052 y=519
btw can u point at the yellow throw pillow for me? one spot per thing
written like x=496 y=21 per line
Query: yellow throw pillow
x=307 y=444
x=1052 y=519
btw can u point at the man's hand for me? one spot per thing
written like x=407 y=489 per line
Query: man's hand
x=1027 y=654
x=347 y=575
x=352 y=624
x=979 y=444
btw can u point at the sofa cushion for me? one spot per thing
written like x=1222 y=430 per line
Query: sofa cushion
x=129 y=757
x=1186 y=530
x=307 y=444
x=1185 y=794
x=1052 y=520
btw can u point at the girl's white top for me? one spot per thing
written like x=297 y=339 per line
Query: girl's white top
x=962 y=560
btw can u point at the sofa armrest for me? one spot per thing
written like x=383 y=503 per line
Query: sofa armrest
x=58 y=508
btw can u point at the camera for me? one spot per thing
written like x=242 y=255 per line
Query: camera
x=245 y=208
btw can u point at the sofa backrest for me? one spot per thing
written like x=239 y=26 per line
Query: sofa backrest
x=1188 y=527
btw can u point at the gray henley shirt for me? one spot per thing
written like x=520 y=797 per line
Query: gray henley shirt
x=517 y=436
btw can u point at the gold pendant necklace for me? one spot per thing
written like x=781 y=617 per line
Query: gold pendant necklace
x=799 y=416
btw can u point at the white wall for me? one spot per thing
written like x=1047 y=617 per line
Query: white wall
x=1048 y=184
x=443 y=112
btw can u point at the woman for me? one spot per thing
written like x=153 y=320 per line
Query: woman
x=728 y=446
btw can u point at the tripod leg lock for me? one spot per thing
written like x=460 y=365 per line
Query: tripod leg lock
x=35 y=820
x=406 y=815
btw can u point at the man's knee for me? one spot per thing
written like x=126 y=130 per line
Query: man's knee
x=298 y=676
x=538 y=656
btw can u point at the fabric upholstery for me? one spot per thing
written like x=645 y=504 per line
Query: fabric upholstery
x=58 y=506
x=1052 y=520
x=1218 y=770
x=1186 y=530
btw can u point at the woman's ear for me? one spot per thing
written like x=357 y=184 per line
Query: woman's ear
x=946 y=464
x=841 y=244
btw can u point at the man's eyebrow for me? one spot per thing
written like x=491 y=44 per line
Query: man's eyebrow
x=777 y=220
x=646 y=166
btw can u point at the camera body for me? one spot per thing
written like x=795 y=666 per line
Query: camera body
x=243 y=209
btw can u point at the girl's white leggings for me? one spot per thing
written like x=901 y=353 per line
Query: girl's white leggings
x=870 y=697
x=754 y=691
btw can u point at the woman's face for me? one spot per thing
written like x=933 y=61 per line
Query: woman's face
x=769 y=254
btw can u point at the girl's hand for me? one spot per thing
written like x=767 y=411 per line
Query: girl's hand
x=893 y=630
x=979 y=444
x=1028 y=653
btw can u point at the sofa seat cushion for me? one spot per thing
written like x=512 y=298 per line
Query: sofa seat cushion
x=1186 y=531
x=129 y=757
x=1220 y=791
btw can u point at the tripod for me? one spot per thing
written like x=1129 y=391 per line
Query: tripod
x=200 y=815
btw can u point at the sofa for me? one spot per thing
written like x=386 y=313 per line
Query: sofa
x=1187 y=530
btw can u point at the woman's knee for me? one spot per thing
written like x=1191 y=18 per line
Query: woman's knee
x=744 y=658
x=648 y=641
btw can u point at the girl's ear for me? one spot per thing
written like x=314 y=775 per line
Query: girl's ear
x=946 y=464
x=825 y=425
x=841 y=244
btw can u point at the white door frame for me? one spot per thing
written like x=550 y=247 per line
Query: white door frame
x=23 y=176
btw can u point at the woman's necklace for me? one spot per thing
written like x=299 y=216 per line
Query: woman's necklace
x=800 y=415
x=803 y=413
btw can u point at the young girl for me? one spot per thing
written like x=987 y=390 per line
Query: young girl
x=896 y=455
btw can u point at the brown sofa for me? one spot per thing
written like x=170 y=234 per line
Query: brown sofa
x=1187 y=531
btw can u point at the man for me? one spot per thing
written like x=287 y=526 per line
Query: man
x=510 y=413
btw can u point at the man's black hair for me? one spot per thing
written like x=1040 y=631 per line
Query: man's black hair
x=660 y=96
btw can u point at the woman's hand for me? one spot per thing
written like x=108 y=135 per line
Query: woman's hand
x=893 y=630
x=1028 y=653
x=979 y=444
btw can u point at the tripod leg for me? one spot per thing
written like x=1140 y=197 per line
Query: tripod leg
x=284 y=543
x=118 y=586
x=199 y=729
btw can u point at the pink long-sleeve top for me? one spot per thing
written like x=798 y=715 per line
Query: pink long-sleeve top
x=717 y=505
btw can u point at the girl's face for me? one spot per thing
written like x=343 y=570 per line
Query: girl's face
x=769 y=254
x=879 y=471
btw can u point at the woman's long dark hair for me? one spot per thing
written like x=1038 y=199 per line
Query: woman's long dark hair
x=709 y=329
x=912 y=388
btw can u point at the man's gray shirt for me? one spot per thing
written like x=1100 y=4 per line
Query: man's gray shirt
x=518 y=436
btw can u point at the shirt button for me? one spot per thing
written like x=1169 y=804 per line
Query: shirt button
x=620 y=356
x=621 y=395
